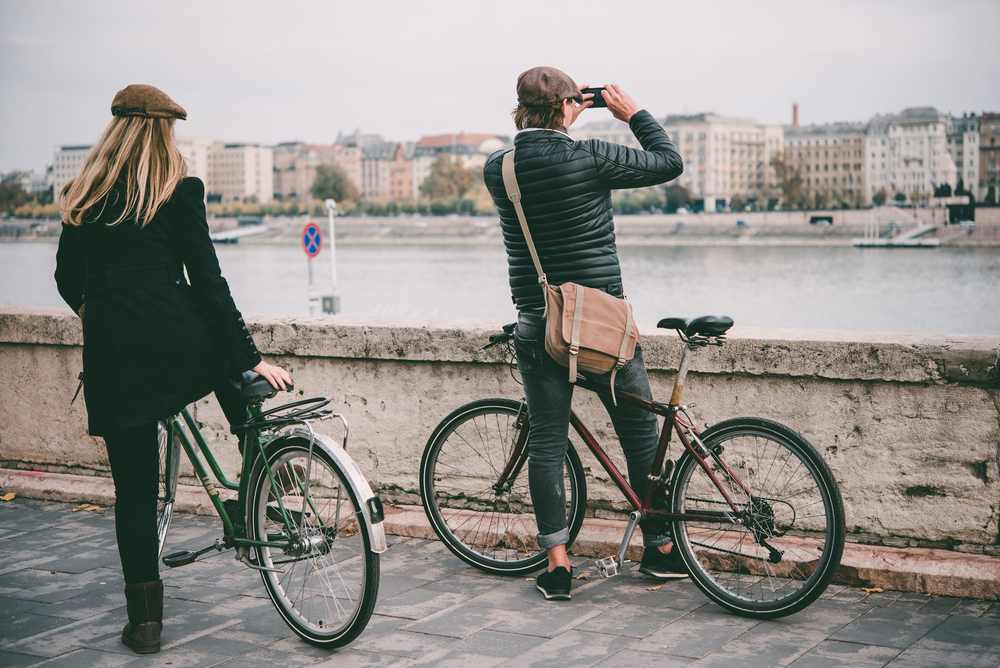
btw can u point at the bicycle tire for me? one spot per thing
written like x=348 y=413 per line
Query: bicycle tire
x=798 y=510
x=493 y=532
x=326 y=595
x=169 y=462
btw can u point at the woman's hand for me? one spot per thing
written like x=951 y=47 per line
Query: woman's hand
x=620 y=103
x=275 y=375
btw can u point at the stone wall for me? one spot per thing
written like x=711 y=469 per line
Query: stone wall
x=910 y=424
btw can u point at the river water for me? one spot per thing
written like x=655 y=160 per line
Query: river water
x=935 y=290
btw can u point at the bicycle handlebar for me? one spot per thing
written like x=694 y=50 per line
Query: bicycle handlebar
x=503 y=337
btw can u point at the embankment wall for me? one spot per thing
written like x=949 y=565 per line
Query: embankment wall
x=910 y=423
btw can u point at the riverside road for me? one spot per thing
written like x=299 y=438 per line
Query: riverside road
x=61 y=604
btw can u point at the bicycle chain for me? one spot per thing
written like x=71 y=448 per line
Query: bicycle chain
x=721 y=549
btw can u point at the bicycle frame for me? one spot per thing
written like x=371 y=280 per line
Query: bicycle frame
x=672 y=423
x=254 y=444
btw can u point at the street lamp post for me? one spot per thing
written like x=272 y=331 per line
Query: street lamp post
x=331 y=304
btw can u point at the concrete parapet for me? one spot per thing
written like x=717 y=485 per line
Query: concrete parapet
x=910 y=423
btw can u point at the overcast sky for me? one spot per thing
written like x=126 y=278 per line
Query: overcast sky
x=272 y=71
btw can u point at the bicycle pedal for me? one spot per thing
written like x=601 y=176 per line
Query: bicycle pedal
x=607 y=567
x=182 y=558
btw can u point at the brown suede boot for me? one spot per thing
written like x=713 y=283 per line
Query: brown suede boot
x=145 y=617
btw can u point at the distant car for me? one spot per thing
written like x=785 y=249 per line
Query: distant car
x=967 y=223
x=822 y=221
x=681 y=223
x=681 y=210
x=742 y=223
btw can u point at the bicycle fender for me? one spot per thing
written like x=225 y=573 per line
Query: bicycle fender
x=357 y=480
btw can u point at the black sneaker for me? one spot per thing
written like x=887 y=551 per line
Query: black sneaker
x=555 y=584
x=663 y=566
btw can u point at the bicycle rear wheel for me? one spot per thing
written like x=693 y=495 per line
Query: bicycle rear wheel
x=328 y=585
x=170 y=457
x=494 y=531
x=794 y=507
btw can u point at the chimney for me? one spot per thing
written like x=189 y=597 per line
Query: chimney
x=795 y=114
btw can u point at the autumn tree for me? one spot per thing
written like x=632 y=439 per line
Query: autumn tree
x=333 y=183
x=447 y=179
x=879 y=198
x=790 y=180
x=11 y=196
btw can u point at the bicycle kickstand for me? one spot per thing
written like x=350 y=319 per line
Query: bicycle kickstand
x=610 y=566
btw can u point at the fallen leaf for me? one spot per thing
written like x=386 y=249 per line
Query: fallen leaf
x=582 y=576
x=529 y=579
x=7 y=497
x=873 y=589
x=656 y=588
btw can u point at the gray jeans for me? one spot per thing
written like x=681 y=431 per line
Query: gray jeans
x=549 y=393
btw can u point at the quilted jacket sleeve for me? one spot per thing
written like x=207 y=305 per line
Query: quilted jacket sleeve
x=211 y=289
x=620 y=167
x=70 y=270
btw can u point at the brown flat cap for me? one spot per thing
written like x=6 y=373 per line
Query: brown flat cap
x=146 y=101
x=546 y=85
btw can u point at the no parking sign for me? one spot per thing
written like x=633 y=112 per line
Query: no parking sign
x=312 y=240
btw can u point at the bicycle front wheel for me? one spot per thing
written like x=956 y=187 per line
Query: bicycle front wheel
x=788 y=546
x=325 y=584
x=170 y=458
x=493 y=530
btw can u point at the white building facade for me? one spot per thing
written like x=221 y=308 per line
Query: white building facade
x=908 y=153
x=240 y=172
x=66 y=164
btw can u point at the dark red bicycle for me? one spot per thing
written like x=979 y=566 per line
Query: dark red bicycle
x=756 y=513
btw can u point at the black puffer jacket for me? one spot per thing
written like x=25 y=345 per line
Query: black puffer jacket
x=566 y=194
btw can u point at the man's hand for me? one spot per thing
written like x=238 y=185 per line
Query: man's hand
x=620 y=103
x=571 y=109
x=274 y=374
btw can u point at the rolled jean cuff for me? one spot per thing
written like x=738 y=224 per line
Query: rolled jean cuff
x=656 y=541
x=555 y=539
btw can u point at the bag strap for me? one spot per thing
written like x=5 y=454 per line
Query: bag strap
x=514 y=194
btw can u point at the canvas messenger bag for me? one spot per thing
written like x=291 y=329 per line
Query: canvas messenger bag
x=586 y=329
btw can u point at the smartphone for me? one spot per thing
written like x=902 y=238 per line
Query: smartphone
x=598 y=99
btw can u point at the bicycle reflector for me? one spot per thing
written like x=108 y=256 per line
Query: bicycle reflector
x=375 y=509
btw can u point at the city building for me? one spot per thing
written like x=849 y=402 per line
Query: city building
x=830 y=159
x=963 y=147
x=724 y=157
x=197 y=153
x=240 y=172
x=30 y=182
x=295 y=166
x=66 y=164
x=989 y=156
x=471 y=150
x=908 y=153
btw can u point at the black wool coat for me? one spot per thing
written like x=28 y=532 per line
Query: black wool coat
x=566 y=194
x=152 y=343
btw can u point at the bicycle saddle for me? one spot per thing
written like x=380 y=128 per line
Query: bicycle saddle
x=253 y=385
x=706 y=325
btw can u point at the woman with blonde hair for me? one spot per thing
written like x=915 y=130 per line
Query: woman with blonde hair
x=152 y=342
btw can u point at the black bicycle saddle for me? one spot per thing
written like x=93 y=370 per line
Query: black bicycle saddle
x=706 y=325
x=253 y=385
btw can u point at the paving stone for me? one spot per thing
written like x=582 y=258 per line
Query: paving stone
x=629 y=658
x=402 y=643
x=764 y=646
x=11 y=660
x=450 y=658
x=463 y=584
x=87 y=604
x=939 y=606
x=689 y=639
x=515 y=594
x=889 y=627
x=458 y=621
x=547 y=619
x=495 y=643
x=176 y=658
x=417 y=603
x=971 y=608
x=266 y=658
x=88 y=658
x=933 y=655
x=353 y=658
x=9 y=606
x=23 y=624
x=834 y=654
x=48 y=587
x=633 y=621
x=573 y=648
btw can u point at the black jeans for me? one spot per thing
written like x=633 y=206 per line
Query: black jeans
x=549 y=393
x=135 y=467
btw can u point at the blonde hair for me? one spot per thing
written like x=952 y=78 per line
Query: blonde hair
x=140 y=153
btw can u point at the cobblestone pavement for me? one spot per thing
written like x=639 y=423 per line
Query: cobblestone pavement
x=61 y=604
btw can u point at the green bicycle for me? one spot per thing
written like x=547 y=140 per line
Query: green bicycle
x=304 y=515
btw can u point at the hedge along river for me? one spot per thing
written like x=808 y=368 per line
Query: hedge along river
x=944 y=290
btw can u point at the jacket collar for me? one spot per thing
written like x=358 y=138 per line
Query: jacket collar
x=539 y=134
